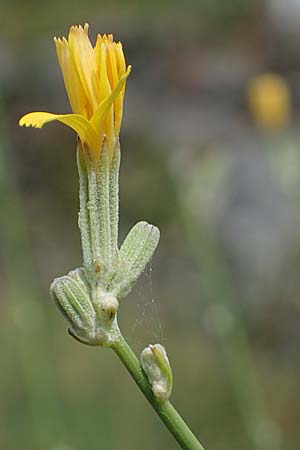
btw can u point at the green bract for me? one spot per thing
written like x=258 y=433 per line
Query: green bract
x=88 y=297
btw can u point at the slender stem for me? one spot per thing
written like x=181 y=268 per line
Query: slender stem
x=166 y=411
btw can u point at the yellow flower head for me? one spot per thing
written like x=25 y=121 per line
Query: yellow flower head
x=95 y=79
x=269 y=100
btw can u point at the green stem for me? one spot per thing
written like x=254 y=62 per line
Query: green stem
x=166 y=411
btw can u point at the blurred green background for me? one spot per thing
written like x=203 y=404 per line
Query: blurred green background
x=210 y=154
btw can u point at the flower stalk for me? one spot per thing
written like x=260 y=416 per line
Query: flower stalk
x=87 y=297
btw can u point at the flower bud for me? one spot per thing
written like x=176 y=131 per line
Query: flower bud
x=108 y=307
x=79 y=276
x=75 y=304
x=135 y=253
x=155 y=363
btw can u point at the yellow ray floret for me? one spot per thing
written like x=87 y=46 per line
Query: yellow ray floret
x=95 y=79
x=78 y=123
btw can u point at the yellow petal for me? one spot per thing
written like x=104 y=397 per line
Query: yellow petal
x=77 y=122
x=113 y=76
x=112 y=69
x=104 y=107
x=97 y=53
x=120 y=58
x=105 y=90
x=104 y=85
x=84 y=59
x=73 y=84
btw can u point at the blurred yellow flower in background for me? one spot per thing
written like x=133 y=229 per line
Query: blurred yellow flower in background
x=269 y=101
x=95 y=79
